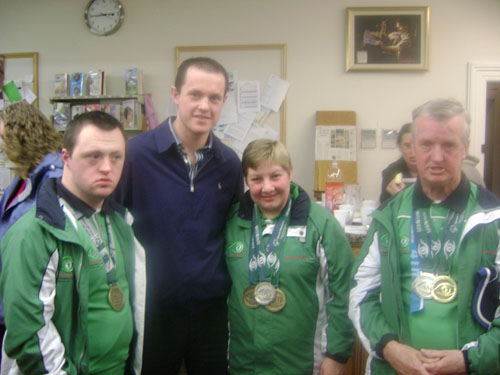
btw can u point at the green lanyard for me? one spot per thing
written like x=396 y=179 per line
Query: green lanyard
x=263 y=262
x=434 y=249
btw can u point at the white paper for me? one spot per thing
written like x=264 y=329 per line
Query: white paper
x=28 y=95
x=240 y=129
x=255 y=132
x=229 y=114
x=338 y=141
x=248 y=96
x=274 y=93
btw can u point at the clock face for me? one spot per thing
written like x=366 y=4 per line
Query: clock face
x=104 y=17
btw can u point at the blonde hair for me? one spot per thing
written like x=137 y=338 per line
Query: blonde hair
x=28 y=137
x=265 y=150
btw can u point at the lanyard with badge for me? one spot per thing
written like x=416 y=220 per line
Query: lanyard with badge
x=264 y=264
x=108 y=254
x=431 y=257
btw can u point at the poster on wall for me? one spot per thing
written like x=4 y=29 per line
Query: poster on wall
x=335 y=140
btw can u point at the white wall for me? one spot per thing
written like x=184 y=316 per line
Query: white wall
x=314 y=31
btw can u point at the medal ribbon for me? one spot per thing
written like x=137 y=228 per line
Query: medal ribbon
x=263 y=260
x=429 y=251
x=93 y=230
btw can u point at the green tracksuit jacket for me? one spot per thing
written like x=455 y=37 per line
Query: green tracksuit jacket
x=376 y=302
x=45 y=284
x=314 y=275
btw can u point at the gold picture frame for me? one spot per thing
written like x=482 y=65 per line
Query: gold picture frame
x=17 y=65
x=387 y=38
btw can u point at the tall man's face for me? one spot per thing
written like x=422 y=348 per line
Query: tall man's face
x=94 y=168
x=439 y=151
x=200 y=101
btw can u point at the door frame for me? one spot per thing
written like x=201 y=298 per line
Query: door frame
x=478 y=76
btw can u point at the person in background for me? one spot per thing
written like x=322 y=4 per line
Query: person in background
x=290 y=264
x=32 y=145
x=425 y=286
x=470 y=170
x=73 y=283
x=179 y=182
x=404 y=167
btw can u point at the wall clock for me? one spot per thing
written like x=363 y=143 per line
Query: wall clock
x=104 y=17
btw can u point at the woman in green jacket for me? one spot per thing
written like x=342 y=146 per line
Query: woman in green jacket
x=289 y=261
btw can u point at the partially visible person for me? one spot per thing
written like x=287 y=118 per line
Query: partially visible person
x=290 y=264
x=73 y=282
x=404 y=167
x=179 y=182
x=33 y=146
x=470 y=170
x=425 y=287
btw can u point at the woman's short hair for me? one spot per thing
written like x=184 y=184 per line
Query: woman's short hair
x=28 y=137
x=265 y=150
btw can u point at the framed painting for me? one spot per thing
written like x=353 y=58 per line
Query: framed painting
x=387 y=38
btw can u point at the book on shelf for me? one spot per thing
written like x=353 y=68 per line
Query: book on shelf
x=77 y=109
x=96 y=83
x=61 y=84
x=133 y=81
x=113 y=109
x=76 y=85
x=61 y=115
x=92 y=107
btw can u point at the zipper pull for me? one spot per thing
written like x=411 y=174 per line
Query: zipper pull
x=192 y=187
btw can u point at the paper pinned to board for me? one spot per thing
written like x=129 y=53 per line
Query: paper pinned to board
x=274 y=93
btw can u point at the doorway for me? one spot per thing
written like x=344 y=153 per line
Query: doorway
x=492 y=138
x=483 y=80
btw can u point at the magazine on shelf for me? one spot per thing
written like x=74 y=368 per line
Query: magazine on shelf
x=77 y=109
x=77 y=84
x=61 y=115
x=92 y=107
x=114 y=109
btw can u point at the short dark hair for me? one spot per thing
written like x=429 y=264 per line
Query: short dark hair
x=101 y=120
x=203 y=63
x=405 y=129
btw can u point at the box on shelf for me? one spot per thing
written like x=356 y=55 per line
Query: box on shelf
x=92 y=107
x=131 y=114
x=96 y=83
x=114 y=109
x=77 y=109
x=61 y=84
x=133 y=81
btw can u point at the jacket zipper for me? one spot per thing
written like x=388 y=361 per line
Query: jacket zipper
x=79 y=312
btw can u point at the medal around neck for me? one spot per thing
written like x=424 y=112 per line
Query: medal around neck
x=249 y=297
x=444 y=289
x=279 y=302
x=265 y=293
x=116 y=298
x=423 y=285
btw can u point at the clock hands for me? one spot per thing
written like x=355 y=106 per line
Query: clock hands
x=102 y=15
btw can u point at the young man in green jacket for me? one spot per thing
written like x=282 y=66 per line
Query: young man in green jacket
x=419 y=298
x=73 y=280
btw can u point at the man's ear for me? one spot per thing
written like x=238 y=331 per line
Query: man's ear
x=65 y=156
x=175 y=94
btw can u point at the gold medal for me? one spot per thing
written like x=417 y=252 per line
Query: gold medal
x=116 y=298
x=265 y=293
x=423 y=285
x=444 y=289
x=249 y=297
x=278 y=303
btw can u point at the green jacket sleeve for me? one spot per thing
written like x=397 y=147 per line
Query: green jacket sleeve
x=339 y=259
x=27 y=287
x=365 y=309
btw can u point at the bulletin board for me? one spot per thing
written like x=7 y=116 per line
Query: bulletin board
x=19 y=65
x=247 y=62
